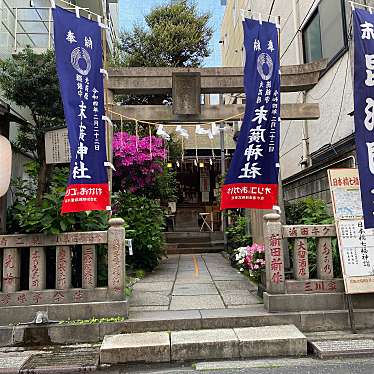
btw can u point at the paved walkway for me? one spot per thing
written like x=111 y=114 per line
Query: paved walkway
x=195 y=281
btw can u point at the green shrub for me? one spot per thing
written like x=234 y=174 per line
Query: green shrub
x=27 y=216
x=237 y=234
x=311 y=211
x=144 y=219
x=164 y=187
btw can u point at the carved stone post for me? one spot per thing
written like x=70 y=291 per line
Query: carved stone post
x=116 y=258
x=11 y=269
x=300 y=259
x=89 y=261
x=274 y=254
x=63 y=267
x=37 y=273
x=324 y=259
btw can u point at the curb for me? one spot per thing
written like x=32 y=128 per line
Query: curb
x=58 y=369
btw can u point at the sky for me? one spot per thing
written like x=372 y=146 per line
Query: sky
x=132 y=11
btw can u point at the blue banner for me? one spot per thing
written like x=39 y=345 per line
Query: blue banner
x=364 y=108
x=79 y=60
x=252 y=179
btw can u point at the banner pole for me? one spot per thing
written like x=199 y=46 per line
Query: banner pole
x=223 y=174
x=108 y=128
x=351 y=313
x=350 y=56
x=286 y=253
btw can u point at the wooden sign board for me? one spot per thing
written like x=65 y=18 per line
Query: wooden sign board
x=57 y=147
x=5 y=165
x=356 y=244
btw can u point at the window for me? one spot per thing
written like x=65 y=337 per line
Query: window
x=325 y=36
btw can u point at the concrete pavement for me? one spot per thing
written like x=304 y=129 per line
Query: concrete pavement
x=193 y=282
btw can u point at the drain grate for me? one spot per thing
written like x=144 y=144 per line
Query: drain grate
x=61 y=361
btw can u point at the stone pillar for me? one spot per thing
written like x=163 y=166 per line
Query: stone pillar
x=110 y=96
x=324 y=259
x=63 y=267
x=89 y=268
x=257 y=224
x=300 y=259
x=37 y=272
x=116 y=258
x=11 y=269
x=274 y=254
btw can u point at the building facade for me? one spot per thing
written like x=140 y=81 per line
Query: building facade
x=310 y=31
x=30 y=23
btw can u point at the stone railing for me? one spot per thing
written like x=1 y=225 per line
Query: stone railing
x=11 y=246
x=276 y=282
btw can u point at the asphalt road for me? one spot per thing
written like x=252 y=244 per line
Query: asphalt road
x=276 y=366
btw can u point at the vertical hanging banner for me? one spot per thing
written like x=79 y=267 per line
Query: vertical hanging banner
x=364 y=108
x=79 y=60
x=252 y=179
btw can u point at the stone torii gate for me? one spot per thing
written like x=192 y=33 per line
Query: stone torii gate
x=186 y=85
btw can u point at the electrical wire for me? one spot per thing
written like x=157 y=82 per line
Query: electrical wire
x=285 y=136
x=340 y=62
x=342 y=99
x=299 y=29
x=289 y=16
x=290 y=150
x=271 y=9
x=289 y=126
x=331 y=83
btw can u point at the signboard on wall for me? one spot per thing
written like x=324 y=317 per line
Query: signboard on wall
x=356 y=244
x=57 y=147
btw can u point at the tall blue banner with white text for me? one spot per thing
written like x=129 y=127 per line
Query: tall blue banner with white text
x=364 y=108
x=252 y=179
x=79 y=60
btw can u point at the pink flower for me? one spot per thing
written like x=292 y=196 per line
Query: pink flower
x=138 y=161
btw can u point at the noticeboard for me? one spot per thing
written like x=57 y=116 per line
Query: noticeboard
x=57 y=147
x=356 y=244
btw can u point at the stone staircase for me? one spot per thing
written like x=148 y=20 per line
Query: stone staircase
x=191 y=345
x=194 y=242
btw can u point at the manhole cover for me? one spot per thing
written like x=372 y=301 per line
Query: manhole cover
x=334 y=348
x=71 y=361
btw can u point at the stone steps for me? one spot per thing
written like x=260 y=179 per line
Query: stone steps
x=316 y=325
x=194 y=250
x=254 y=316
x=190 y=237
x=194 y=244
x=190 y=345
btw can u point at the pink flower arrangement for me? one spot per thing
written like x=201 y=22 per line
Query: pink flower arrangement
x=137 y=160
x=251 y=259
